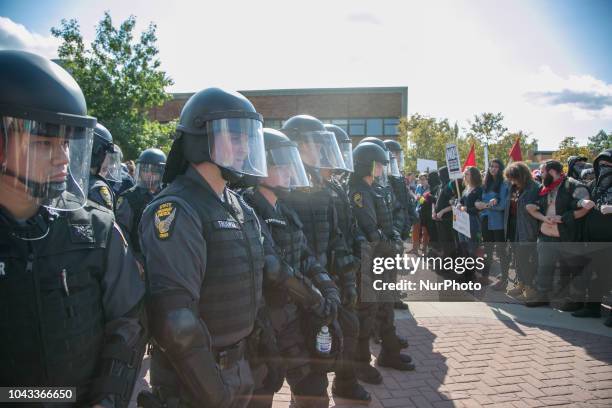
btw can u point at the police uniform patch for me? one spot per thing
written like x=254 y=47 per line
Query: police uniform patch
x=165 y=215
x=106 y=197
x=119 y=201
x=358 y=200
x=81 y=233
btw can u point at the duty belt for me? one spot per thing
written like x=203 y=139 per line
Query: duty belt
x=226 y=357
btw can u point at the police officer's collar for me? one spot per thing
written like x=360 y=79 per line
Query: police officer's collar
x=192 y=174
x=34 y=228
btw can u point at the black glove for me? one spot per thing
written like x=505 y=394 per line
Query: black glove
x=275 y=377
x=327 y=310
x=349 y=295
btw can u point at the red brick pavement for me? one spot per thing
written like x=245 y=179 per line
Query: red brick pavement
x=474 y=362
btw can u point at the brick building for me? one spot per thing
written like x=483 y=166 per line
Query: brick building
x=372 y=111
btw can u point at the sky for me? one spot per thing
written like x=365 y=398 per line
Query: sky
x=545 y=64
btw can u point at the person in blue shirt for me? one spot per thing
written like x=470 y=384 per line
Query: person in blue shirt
x=494 y=202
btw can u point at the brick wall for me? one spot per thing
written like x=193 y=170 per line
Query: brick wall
x=323 y=106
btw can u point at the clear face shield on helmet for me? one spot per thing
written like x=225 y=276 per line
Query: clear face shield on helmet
x=346 y=148
x=380 y=173
x=149 y=176
x=46 y=161
x=111 y=166
x=237 y=144
x=285 y=169
x=320 y=150
x=393 y=167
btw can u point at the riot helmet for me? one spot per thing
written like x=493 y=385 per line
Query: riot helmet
x=370 y=160
x=45 y=132
x=150 y=169
x=221 y=127
x=383 y=178
x=345 y=144
x=285 y=168
x=105 y=159
x=318 y=146
x=396 y=156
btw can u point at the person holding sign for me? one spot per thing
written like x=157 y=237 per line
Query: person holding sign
x=472 y=193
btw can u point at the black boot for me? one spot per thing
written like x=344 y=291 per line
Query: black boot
x=590 y=309
x=363 y=370
x=368 y=374
x=403 y=342
x=400 y=305
x=351 y=390
x=392 y=359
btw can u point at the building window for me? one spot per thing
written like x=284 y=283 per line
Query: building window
x=374 y=127
x=391 y=127
x=356 y=127
x=343 y=123
x=273 y=123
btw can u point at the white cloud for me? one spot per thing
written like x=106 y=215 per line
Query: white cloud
x=584 y=96
x=14 y=36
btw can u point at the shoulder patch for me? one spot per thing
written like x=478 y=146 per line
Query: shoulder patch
x=165 y=215
x=106 y=197
x=358 y=199
x=119 y=201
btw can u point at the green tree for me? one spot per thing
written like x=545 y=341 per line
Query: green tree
x=487 y=127
x=427 y=138
x=569 y=147
x=501 y=149
x=599 y=142
x=121 y=79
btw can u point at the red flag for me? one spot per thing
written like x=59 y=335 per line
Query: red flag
x=470 y=160
x=515 y=152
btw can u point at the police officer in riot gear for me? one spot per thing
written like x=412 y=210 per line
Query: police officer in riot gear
x=404 y=212
x=298 y=285
x=375 y=220
x=130 y=205
x=105 y=167
x=204 y=255
x=315 y=207
x=70 y=290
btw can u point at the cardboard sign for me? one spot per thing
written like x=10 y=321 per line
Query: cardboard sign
x=461 y=222
x=453 y=162
x=425 y=165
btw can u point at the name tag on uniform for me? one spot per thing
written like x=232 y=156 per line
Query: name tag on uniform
x=227 y=224
x=276 y=221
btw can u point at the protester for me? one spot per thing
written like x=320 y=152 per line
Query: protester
x=420 y=234
x=557 y=209
x=598 y=228
x=522 y=228
x=493 y=206
x=469 y=197
x=442 y=215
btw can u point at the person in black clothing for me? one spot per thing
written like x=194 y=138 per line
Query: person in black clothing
x=469 y=197
x=70 y=290
x=427 y=209
x=558 y=209
x=522 y=228
x=442 y=215
x=374 y=218
x=598 y=229
x=131 y=203
x=292 y=291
